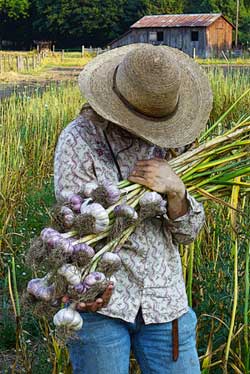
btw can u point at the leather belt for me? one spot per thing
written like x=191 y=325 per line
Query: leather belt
x=175 y=339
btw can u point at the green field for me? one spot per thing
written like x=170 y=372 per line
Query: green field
x=216 y=267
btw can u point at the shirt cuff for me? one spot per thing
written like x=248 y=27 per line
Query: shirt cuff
x=193 y=207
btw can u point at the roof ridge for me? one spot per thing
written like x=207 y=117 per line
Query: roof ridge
x=183 y=14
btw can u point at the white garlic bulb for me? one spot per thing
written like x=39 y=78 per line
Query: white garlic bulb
x=68 y=317
x=150 y=198
x=100 y=216
x=71 y=273
x=89 y=188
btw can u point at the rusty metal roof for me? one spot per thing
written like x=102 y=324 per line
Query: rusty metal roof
x=178 y=20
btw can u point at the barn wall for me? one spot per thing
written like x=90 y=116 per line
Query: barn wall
x=219 y=37
x=181 y=38
x=174 y=37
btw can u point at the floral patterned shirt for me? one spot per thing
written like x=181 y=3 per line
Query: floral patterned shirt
x=151 y=277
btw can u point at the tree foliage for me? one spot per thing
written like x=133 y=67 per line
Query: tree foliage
x=13 y=9
x=97 y=22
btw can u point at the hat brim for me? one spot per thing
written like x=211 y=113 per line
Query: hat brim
x=181 y=128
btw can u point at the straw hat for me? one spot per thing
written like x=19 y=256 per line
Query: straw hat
x=157 y=93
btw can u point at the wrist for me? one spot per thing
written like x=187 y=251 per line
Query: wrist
x=177 y=195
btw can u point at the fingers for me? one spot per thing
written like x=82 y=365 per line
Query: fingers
x=65 y=299
x=140 y=180
x=99 y=303
x=107 y=294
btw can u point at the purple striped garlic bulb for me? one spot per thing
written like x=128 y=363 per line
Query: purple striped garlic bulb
x=67 y=216
x=40 y=289
x=82 y=254
x=93 y=279
x=75 y=202
x=47 y=232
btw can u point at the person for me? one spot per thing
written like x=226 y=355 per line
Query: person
x=145 y=104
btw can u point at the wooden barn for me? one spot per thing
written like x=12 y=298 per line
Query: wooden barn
x=204 y=35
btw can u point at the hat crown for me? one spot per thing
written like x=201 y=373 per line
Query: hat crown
x=149 y=80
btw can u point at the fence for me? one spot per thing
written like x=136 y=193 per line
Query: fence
x=19 y=63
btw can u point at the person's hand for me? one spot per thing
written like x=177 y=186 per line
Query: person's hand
x=158 y=175
x=99 y=303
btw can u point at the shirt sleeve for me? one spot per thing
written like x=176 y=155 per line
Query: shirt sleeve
x=185 y=229
x=73 y=165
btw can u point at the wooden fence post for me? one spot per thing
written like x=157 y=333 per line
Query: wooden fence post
x=194 y=53
x=1 y=65
x=82 y=50
x=62 y=54
x=34 y=62
x=53 y=49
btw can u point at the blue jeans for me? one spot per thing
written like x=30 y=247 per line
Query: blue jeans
x=103 y=346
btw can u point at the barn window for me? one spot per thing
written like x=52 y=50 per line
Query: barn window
x=194 y=36
x=156 y=36
x=160 y=36
x=152 y=36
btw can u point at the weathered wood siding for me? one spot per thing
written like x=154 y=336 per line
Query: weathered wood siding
x=219 y=37
x=181 y=38
x=174 y=37
x=212 y=39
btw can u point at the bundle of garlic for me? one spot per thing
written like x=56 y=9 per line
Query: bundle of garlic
x=82 y=266
x=81 y=255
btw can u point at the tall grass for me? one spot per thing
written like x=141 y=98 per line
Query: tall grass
x=29 y=128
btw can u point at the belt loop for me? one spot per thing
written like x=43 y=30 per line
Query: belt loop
x=175 y=339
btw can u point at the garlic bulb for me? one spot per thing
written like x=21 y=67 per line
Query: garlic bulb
x=93 y=279
x=65 y=246
x=150 y=198
x=126 y=211
x=152 y=205
x=82 y=254
x=109 y=263
x=106 y=194
x=39 y=288
x=47 y=232
x=89 y=188
x=92 y=220
x=68 y=317
x=75 y=202
x=67 y=217
x=71 y=273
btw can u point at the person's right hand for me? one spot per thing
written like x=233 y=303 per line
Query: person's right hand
x=99 y=303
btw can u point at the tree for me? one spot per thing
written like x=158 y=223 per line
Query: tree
x=163 y=6
x=13 y=9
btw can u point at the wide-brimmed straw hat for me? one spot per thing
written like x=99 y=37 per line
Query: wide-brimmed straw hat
x=155 y=92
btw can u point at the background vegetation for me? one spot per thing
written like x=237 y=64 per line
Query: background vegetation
x=72 y=23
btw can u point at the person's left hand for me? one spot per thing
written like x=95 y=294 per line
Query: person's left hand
x=157 y=175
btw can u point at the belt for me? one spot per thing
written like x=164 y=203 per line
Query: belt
x=175 y=339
